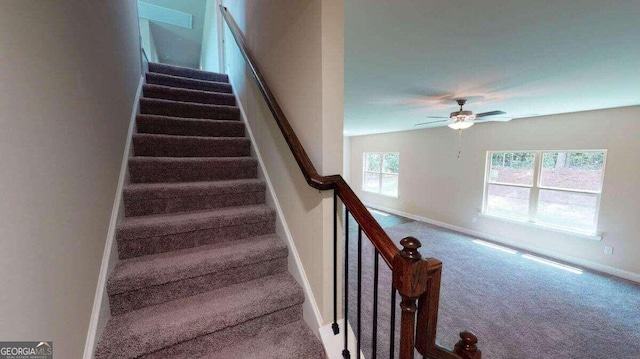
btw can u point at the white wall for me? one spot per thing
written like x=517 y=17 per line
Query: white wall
x=148 y=43
x=299 y=48
x=346 y=159
x=67 y=81
x=436 y=185
x=210 y=52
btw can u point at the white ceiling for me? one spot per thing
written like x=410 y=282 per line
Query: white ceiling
x=407 y=59
x=178 y=45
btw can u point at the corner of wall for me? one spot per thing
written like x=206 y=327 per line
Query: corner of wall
x=346 y=159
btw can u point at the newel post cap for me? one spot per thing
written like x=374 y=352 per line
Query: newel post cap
x=467 y=347
x=410 y=247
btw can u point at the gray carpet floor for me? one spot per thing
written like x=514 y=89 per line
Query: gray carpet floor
x=520 y=309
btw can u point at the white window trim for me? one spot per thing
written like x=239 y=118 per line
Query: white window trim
x=535 y=192
x=380 y=173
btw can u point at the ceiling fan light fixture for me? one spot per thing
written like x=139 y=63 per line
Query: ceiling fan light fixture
x=460 y=125
x=460 y=120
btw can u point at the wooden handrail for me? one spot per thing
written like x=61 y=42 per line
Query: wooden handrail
x=370 y=226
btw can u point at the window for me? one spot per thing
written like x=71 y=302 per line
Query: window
x=555 y=188
x=380 y=173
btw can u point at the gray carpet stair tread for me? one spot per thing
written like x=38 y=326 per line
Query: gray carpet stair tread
x=187 y=83
x=187 y=72
x=153 y=328
x=226 y=161
x=154 y=106
x=189 y=126
x=292 y=341
x=157 y=269
x=145 y=144
x=191 y=169
x=204 y=346
x=171 y=223
x=192 y=189
x=188 y=95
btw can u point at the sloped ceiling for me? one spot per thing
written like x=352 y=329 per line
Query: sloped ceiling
x=405 y=60
x=178 y=45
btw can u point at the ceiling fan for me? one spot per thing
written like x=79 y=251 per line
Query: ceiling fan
x=461 y=119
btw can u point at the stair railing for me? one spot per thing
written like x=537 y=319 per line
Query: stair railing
x=417 y=280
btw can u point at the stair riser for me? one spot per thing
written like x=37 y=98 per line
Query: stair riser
x=188 y=110
x=186 y=72
x=204 y=345
x=146 y=172
x=124 y=302
x=159 y=79
x=174 y=94
x=142 y=207
x=159 y=244
x=189 y=128
x=190 y=147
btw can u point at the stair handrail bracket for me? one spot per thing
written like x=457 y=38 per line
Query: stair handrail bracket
x=417 y=280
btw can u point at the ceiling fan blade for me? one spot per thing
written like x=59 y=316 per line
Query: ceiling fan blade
x=428 y=123
x=490 y=118
x=492 y=113
x=437 y=117
x=494 y=119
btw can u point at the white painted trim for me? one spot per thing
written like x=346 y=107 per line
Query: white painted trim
x=635 y=277
x=92 y=333
x=534 y=195
x=593 y=237
x=310 y=305
x=164 y=14
x=334 y=344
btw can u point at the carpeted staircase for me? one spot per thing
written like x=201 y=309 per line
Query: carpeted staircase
x=201 y=272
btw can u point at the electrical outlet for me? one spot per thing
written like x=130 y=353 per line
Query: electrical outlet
x=608 y=250
x=474 y=219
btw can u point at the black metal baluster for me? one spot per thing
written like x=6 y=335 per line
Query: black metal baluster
x=392 y=343
x=374 y=335
x=359 y=288
x=334 y=326
x=345 y=352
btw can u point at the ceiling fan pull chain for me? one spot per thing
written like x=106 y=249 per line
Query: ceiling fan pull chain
x=459 y=143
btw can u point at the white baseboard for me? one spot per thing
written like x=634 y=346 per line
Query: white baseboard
x=98 y=300
x=311 y=312
x=334 y=344
x=635 y=277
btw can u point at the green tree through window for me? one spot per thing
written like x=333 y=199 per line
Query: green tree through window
x=380 y=173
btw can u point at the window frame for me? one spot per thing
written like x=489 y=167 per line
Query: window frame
x=488 y=182
x=536 y=186
x=380 y=173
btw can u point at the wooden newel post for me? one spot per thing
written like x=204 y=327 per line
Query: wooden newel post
x=466 y=348
x=410 y=279
x=428 y=310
